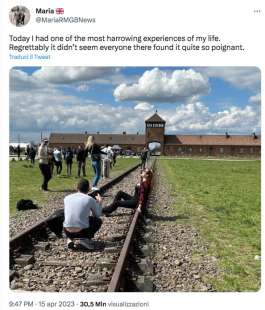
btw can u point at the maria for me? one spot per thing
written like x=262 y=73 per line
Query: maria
x=44 y=11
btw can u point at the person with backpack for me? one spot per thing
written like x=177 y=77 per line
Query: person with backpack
x=69 y=160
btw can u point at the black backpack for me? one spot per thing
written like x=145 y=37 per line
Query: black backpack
x=26 y=204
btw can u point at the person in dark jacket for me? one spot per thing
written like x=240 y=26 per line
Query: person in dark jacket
x=81 y=156
x=144 y=155
x=95 y=152
x=18 y=151
x=69 y=160
x=139 y=198
x=32 y=155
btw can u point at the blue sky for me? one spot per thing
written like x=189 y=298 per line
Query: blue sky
x=192 y=100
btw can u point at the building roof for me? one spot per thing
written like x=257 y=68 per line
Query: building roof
x=103 y=139
x=212 y=140
x=134 y=139
x=155 y=118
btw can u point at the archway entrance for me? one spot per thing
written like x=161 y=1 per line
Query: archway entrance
x=155 y=148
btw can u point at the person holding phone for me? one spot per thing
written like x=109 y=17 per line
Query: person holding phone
x=82 y=216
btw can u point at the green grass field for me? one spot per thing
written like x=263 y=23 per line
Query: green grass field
x=222 y=199
x=25 y=180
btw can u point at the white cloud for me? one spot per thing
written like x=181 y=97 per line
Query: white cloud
x=83 y=87
x=65 y=75
x=241 y=77
x=255 y=99
x=21 y=81
x=162 y=86
x=36 y=107
x=48 y=109
x=196 y=118
x=144 y=106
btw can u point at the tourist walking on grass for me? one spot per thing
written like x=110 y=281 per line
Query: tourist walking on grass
x=58 y=160
x=69 y=160
x=43 y=164
x=114 y=159
x=18 y=152
x=95 y=152
x=32 y=155
x=81 y=160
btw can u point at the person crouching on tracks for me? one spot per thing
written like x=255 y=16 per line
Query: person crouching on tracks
x=82 y=216
x=44 y=164
x=95 y=152
x=138 y=200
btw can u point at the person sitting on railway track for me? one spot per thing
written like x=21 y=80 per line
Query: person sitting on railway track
x=82 y=216
x=139 y=198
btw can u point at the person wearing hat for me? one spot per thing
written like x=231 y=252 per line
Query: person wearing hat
x=44 y=164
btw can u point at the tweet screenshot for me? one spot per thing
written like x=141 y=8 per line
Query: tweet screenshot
x=131 y=148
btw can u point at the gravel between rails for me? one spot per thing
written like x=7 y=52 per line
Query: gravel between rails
x=25 y=219
x=180 y=258
x=61 y=270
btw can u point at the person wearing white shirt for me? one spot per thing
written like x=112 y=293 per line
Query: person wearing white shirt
x=82 y=216
x=58 y=160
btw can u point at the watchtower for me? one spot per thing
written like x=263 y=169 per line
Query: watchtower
x=155 y=130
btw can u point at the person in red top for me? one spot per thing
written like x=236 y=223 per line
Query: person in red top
x=139 y=198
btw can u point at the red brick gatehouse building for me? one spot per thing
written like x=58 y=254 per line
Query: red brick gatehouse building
x=173 y=145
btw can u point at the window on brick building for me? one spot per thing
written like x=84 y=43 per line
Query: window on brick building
x=180 y=149
x=221 y=150
x=241 y=150
x=251 y=150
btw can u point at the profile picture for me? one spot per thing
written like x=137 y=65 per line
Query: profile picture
x=19 y=15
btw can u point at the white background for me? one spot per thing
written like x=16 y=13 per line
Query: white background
x=234 y=21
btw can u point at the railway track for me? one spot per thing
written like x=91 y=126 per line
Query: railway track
x=40 y=261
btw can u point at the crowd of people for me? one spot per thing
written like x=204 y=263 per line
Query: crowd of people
x=82 y=213
x=51 y=160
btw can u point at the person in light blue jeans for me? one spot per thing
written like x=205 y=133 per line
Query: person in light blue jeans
x=96 y=164
x=95 y=152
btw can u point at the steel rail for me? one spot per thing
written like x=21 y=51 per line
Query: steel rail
x=26 y=235
x=116 y=277
x=114 y=285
